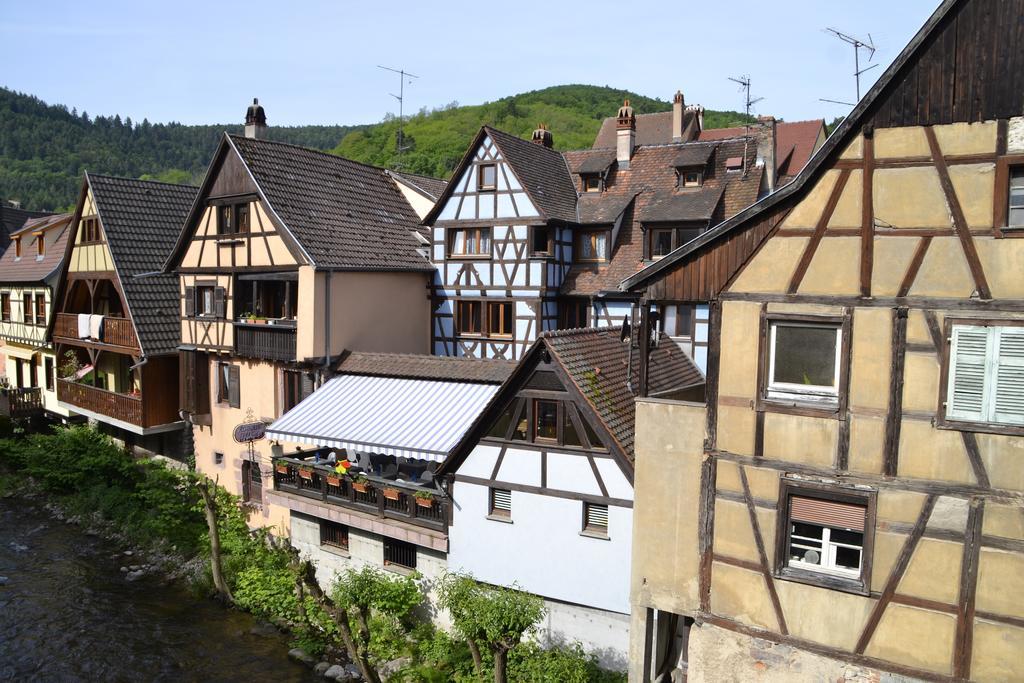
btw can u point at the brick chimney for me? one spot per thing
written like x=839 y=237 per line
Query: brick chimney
x=543 y=136
x=255 y=121
x=678 y=105
x=765 y=134
x=625 y=135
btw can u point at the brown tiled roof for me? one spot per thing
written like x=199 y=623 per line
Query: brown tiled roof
x=695 y=204
x=597 y=210
x=344 y=214
x=694 y=155
x=651 y=129
x=432 y=187
x=141 y=220
x=597 y=362
x=596 y=162
x=415 y=366
x=795 y=143
x=542 y=172
x=30 y=268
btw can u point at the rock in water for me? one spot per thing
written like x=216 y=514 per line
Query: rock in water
x=3 y=580
x=322 y=668
x=336 y=673
x=302 y=656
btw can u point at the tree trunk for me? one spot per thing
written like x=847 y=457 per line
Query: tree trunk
x=210 y=507
x=500 y=664
x=478 y=660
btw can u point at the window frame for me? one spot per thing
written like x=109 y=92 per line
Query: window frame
x=942 y=421
x=40 y=246
x=50 y=373
x=480 y=185
x=535 y=231
x=651 y=241
x=338 y=529
x=782 y=570
x=534 y=424
x=804 y=403
x=1001 y=199
x=91 y=231
x=479 y=230
x=503 y=334
x=28 y=309
x=591 y=182
x=460 y=315
x=575 y=306
x=39 y=308
x=17 y=248
x=684 y=183
x=397 y=545
x=591 y=236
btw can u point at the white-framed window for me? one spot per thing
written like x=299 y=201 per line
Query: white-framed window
x=826 y=536
x=804 y=360
x=986 y=374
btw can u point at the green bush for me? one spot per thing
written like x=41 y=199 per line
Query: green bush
x=561 y=664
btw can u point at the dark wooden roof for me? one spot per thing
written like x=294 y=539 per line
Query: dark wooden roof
x=29 y=268
x=543 y=173
x=651 y=129
x=923 y=86
x=343 y=214
x=141 y=220
x=415 y=366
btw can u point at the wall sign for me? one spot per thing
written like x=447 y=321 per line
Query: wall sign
x=248 y=432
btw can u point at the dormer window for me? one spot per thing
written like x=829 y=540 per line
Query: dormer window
x=487 y=177
x=592 y=183
x=733 y=164
x=691 y=177
x=17 y=247
x=40 y=246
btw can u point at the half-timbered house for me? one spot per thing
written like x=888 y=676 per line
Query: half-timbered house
x=288 y=257
x=114 y=330
x=29 y=269
x=528 y=240
x=848 y=502
x=543 y=482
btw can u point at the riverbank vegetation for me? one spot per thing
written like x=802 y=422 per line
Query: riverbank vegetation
x=378 y=619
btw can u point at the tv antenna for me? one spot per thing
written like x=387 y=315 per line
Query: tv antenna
x=858 y=45
x=744 y=82
x=402 y=75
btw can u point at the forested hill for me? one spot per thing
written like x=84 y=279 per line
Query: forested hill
x=44 y=149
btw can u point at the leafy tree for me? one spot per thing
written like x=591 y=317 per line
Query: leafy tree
x=492 y=617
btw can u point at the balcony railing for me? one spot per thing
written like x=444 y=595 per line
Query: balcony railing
x=123 y=407
x=116 y=331
x=270 y=342
x=20 y=403
x=381 y=497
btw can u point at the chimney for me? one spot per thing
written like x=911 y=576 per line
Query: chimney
x=255 y=121
x=625 y=135
x=677 y=116
x=765 y=134
x=543 y=136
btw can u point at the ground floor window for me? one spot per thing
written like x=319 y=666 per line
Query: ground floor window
x=399 y=553
x=252 y=483
x=333 y=534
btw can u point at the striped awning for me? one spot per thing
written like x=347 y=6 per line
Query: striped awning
x=411 y=418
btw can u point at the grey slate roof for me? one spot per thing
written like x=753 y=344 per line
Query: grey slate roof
x=595 y=209
x=416 y=366
x=697 y=204
x=30 y=268
x=141 y=220
x=432 y=187
x=345 y=215
x=542 y=172
x=597 y=162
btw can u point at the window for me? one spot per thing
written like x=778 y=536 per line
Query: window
x=5 y=307
x=225 y=224
x=469 y=242
x=399 y=553
x=91 y=230
x=17 y=247
x=252 y=483
x=333 y=534
x=540 y=240
x=545 y=420
x=591 y=183
x=218 y=458
x=499 y=317
x=1015 y=210
x=487 y=177
x=1008 y=215
x=228 y=385
x=691 y=178
x=26 y=308
x=595 y=520
x=50 y=376
x=575 y=313
x=205 y=301
x=40 y=246
x=677 y=319
x=297 y=386
x=468 y=317
x=826 y=535
x=33 y=370
x=803 y=360
x=985 y=377
x=501 y=503
x=273 y=299
x=592 y=246
x=242 y=217
x=40 y=310
x=661 y=242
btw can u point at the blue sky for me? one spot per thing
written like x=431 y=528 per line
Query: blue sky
x=315 y=61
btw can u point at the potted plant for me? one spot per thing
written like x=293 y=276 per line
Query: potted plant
x=334 y=476
x=281 y=467
x=425 y=499
x=360 y=483
x=306 y=473
x=391 y=493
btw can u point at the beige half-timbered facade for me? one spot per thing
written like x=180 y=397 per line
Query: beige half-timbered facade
x=849 y=500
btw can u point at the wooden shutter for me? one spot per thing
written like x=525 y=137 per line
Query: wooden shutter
x=234 y=391
x=202 y=370
x=219 y=305
x=188 y=381
x=190 y=302
x=827 y=513
x=1008 y=402
x=306 y=385
x=967 y=359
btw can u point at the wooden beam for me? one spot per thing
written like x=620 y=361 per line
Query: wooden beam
x=706 y=528
x=867 y=217
x=714 y=357
x=974 y=455
x=959 y=220
x=915 y=266
x=766 y=572
x=894 y=415
x=968 y=590
x=896 y=575
x=819 y=232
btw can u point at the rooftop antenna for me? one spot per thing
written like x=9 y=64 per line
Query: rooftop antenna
x=858 y=45
x=744 y=82
x=402 y=75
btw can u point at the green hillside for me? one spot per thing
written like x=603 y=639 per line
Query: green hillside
x=44 y=148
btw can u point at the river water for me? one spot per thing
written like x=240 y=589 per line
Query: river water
x=67 y=614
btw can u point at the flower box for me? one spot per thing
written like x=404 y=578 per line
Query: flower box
x=391 y=493
x=281 y=468
x=359 y=486
x=306 y=474
x=334 y=479
x=425 y=502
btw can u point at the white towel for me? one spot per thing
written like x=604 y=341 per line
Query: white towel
x=83 y=325
x=96 y=327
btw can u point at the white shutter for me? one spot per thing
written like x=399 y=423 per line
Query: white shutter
x=1008 y=404
x=968 y=353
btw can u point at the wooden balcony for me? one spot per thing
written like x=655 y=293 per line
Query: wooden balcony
x=135 y=410
x=306 y=479
x=119 y=332
x=268 y=342
x=21 y=403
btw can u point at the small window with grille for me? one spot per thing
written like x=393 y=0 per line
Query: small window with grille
x=595 y=520
x=501 y=503
x=333 y=535
x=399 y=554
